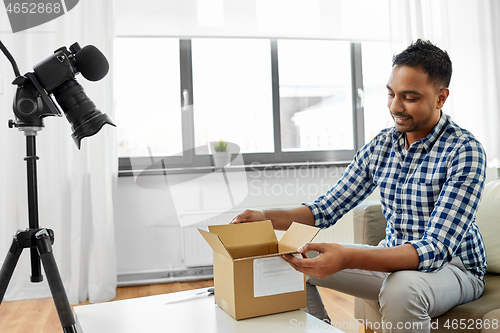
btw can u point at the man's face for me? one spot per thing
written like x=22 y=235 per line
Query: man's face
x=414 y=102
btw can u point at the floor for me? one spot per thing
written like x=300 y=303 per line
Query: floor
x=39 y=315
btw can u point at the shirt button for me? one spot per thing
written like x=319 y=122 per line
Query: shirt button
x=400 y=235
x=399 y=211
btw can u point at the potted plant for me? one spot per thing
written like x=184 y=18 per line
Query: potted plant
x=221 y=154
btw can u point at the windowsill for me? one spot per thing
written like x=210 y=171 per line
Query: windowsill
x=231 y=168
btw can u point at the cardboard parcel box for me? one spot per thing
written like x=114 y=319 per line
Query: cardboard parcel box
x=250 y=277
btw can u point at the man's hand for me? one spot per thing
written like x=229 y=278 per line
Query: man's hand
x=329 y=261
x=249 y=216
x=334 y=257
x=281 y=218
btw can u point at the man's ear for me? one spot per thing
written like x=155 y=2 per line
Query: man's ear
x=442 y=96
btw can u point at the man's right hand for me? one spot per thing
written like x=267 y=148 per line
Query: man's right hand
x=281 y=218
x=249 y=216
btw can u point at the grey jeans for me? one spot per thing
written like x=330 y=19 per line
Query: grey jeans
x=406 y=298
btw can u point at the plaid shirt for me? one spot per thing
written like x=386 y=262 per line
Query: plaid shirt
x=429 y=195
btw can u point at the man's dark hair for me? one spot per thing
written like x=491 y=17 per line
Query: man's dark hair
x=434 y=61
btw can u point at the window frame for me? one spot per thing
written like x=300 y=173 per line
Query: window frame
x=191 y=162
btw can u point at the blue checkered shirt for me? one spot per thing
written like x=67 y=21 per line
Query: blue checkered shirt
x=429 y=195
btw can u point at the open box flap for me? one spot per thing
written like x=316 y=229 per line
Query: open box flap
x=297 y=235
x=215 y=243
x=243 y=235
x=265 y=256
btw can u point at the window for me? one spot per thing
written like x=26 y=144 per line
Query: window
x=376 y=70
x=232 y=93
x=280 y=101
x=315 y=95
x=147 y=93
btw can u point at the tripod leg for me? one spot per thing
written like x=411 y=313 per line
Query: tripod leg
x=8 y=267
x=61 y=301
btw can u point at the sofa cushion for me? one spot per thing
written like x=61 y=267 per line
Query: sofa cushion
x=369 y=223
x=488 y=221
x=493 y=319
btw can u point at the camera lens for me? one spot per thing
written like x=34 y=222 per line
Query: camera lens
x=83 y=115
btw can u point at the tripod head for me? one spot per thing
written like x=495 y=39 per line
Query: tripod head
x=31 y=103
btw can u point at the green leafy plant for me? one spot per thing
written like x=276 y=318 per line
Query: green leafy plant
x=220 y=146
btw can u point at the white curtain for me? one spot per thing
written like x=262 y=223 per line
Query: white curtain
x=75 y=188
x=470 y=32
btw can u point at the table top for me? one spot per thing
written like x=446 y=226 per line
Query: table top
x=186 y=311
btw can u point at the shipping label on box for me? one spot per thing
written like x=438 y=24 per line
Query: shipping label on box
x=272 y=276
x=250 y=277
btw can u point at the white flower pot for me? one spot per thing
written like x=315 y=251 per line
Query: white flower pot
x=222 y=159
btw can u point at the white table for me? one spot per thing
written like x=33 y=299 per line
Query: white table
x=195 y=314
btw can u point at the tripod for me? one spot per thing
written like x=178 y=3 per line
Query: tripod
x=39 y=241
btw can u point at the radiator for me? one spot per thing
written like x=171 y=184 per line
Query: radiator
x=196 y=251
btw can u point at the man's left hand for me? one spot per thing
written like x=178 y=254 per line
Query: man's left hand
x=330 y=260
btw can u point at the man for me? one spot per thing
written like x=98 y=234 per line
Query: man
x=430 y=173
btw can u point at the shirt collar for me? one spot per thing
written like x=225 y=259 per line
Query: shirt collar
x=430 y=139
